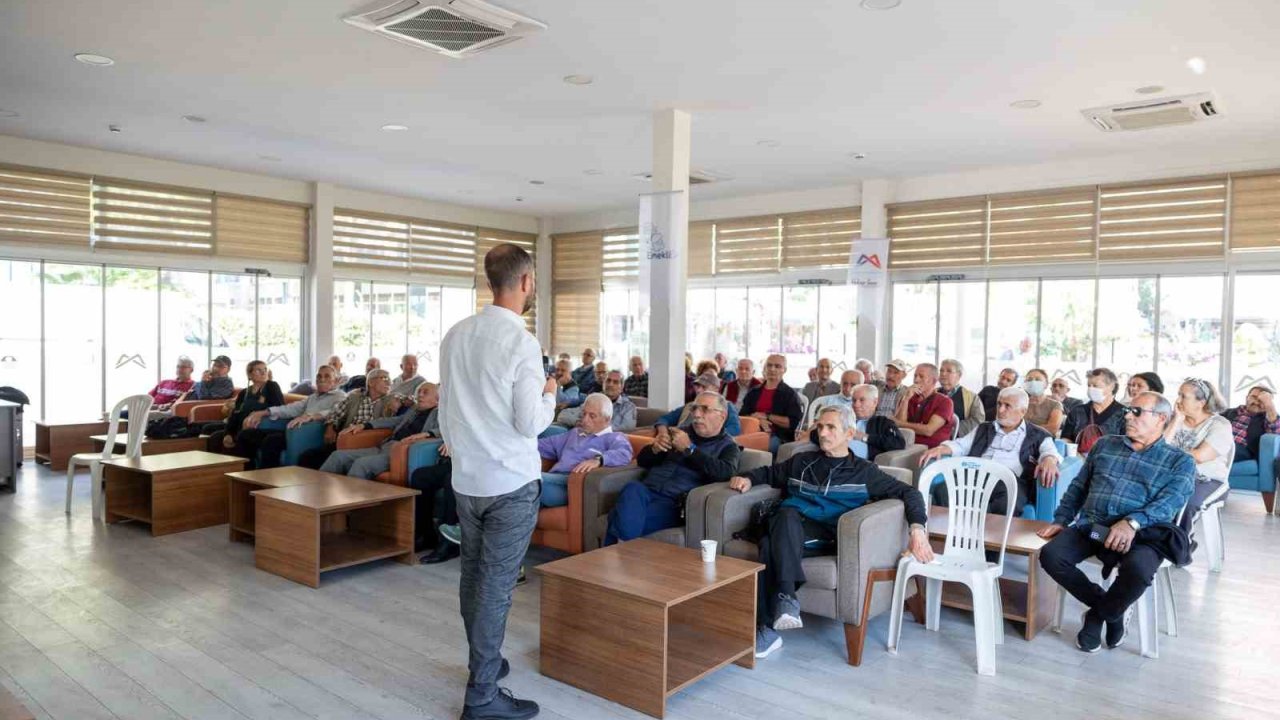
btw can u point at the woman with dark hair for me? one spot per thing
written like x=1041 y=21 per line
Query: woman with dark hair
x=260 y=393
x=1197 y=428
x=1144 y=382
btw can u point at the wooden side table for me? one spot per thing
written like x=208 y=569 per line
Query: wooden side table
x=172 y=492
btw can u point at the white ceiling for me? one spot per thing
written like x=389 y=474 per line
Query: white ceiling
x=921 y=89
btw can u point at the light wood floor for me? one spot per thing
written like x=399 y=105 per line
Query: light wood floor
x=108 y=622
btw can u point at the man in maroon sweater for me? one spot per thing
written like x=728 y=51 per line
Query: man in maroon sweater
x=925 y=410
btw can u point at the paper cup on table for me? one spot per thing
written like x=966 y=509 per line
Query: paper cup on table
x=708 y=551
x=1072 y=449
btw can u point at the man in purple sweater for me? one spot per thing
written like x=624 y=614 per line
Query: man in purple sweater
x=591 y=444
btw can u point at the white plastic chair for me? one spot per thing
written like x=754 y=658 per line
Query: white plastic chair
x=1210 y=521
x=138 y=406
x=970 y=483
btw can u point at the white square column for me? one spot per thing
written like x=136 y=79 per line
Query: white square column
x=319 y=302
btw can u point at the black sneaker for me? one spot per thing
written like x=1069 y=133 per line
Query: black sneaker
x=520 y=579
x=443 y=553
x=505 y=670
x=1089 y=639
x=1118 y=631
x=503 y=706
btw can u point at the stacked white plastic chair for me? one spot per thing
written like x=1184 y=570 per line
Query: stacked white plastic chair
x=138 y=407
x=1209 y=519
x=970 y=484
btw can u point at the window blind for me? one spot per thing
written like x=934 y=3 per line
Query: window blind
x=1255 y=212
x=576 y=283
x=366 y=240
x=1171 y=220
x=701 y=241
x=938 y=233
x=260 y=229
x=1052 y=226
x=620 y=256
x=138 y=216
x=486 y=240
x=819 y=239
x=44 y=207
x=748 y=245
x=444 y=249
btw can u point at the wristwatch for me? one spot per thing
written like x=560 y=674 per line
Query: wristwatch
x=1133 y=524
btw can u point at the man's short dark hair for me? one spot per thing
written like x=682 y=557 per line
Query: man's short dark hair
x=505 y=264
x=222 y=360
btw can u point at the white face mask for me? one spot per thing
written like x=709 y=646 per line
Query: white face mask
x=1034 y=387
x=1096 y=394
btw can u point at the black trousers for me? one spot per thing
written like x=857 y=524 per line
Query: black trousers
x=315 y=457
x=790 y=539
x=1134 y=571
x=430 y=480
x=261 y=447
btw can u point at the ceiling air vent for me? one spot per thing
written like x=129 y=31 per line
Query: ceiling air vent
x=457 y=28
x=1153 y=113
x=696 y=177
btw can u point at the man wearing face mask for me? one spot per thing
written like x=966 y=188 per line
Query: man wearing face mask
x=1099 y=417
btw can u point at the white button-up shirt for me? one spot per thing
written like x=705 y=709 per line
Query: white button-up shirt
x=492 y=407
x=1004 y=446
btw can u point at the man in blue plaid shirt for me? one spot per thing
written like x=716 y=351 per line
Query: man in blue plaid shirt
x=1131 y=483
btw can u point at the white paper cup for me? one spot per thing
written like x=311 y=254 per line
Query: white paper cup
x=1072 y=449
x=708 y=551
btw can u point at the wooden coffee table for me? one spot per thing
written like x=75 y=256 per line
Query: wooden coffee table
x=639 y=621
x=304 y=530
x=57 y=442
x=172 y=492
x=151 y=446
x=240 y=504
x=1030 y=602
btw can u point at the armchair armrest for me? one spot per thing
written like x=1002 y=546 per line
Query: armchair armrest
x=398 y=473
x=183 y=409
x=753 y=440
x=362 y=439
x=788 y=450
x=907 y=458
x=1047 y=498
x=206 y=413
x=869 y=538
x=599 y=494
x=420 y=454
x=749 y=425
x=695 y=512
x=1268 y=452
x=729 y=511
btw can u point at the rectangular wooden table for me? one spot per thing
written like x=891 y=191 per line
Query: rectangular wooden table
x=152 y=446
x=57 y=442
x=304 y=530
x=639 y=621
x=1030 y=602
x=172 y=492
x=240 y=503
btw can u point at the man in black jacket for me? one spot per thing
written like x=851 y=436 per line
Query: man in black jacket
x=817 y=488
x=775 y=404
x=872 y=434
x=1251 y=421
x=677 y=462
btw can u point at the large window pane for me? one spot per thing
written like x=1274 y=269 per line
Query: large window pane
x=838 y=325
x=390 y=324
x=962 y=328
x=1011 y=331
x=1066 y=328
x=617 y=325
x=764 y=323
x=280 y=328
x=915 y=317
x=184 y=319
x=73 y=342
x=20 y=337
x=457 y=304
x=424 y=329
x=351 y=331
x=1255 y=339
x=132 y=340
x=800 y=332
x=700 y=326
x=731 y=323
x=1126 y=326
x=234 y=322
x=1190 y=329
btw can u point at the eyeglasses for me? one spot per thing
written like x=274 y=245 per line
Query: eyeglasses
x=697 y=409
x=1137 y=412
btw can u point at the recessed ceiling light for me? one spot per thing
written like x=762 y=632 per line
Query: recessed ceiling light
x=537 y=182
x=8 y=113
x=395 y=128
x=880 y=4
x=1197 y=65
x=768 y=143
x=1149 y=89
x=592 y=171
x=1025 y=104
x=194 y=119
x=269 y=158
x=858 y=155
x=114 y=128
x=95 y=60
x=579 y=79
x=519 y=199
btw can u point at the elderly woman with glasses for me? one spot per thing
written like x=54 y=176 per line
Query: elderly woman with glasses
x=1197 y=428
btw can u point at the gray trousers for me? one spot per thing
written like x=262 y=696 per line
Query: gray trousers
x=364 y=463
x=495 y=536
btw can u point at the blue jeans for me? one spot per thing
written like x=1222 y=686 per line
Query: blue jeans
x=639 y=512
x=495 y=536
x=555 y=489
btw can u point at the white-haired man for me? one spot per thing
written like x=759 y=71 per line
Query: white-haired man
x=623 y=410
x=849 y=379
x=420 y=422
x=872 y=433
x=591 y=444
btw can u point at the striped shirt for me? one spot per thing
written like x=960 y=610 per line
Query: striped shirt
x=1149 y=485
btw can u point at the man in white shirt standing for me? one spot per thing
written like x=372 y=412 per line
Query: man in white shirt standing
x=494 y=401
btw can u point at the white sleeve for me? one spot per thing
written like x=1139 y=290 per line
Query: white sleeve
x=1049 y=449
x=534 y=410
x=960 y=446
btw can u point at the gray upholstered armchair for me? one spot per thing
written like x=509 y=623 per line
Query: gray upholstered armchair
x=845 y=586
x=600 y=493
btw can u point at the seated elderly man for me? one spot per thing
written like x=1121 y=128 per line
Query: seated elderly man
x=925 y=411
x=406 y=383
x=872 y=434
x=822 y=385
x=1251 y=421
x=253 y=442
x=892 y=389
x=214 y=383
x=624 y=411
x=357 y=382
x=1121 y=508
x=585 y=374
x=849 y=379
x=744 y=382
x=335 y=362
x=591 y=444
x=420 y=422
x=868 y=370
x=726 y=375
x=1011 y=441
x=356 y=409
x=817 y=488
x=1008 y=378
x=168 y=392
x=677 y=462
x=1060 y=390
x=965 y=402
x=775 y=404
x=681 y=416
x=567 y=394
x=637 y=383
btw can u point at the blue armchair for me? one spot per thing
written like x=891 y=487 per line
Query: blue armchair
x=1259 y=475
x=296 y=440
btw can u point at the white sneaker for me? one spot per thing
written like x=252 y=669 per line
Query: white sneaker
x=788 y=613
x=766 y=642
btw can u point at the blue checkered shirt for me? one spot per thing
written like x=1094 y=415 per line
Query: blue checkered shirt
x=1149 y=485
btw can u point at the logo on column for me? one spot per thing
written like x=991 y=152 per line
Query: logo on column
x=657 y=246
x=872 y=260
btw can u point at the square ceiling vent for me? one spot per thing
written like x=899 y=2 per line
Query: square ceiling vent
x=456 y=28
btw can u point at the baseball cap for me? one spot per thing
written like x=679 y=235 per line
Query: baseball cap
x=222 y=360
x=901 y=365
x=708 y=380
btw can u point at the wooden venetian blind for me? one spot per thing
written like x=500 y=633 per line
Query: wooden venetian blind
x=1255 y=212
x=44 y=207
x=442 y=249
x=486 y=240
x=620 y=255
x=821 y=238
x=938 y=233
x=260 y=229
x=576 y=284
x=367 y=240
x=1050 y=226
x=160 y=218
x=1171 y=220
x=701 y=236
x=748 y=245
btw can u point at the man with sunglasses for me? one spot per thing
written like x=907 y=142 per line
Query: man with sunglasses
x=1121 y=508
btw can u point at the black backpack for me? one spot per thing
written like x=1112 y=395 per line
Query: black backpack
x=14 y=395
x=168 y=428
